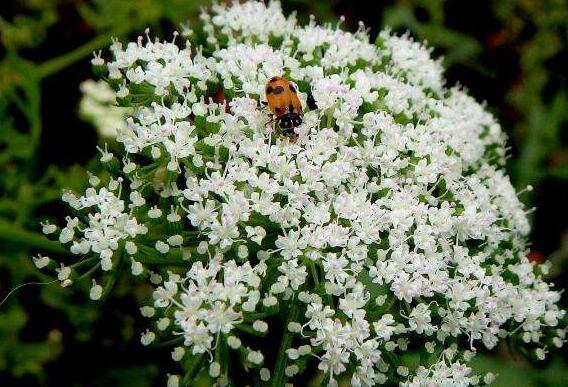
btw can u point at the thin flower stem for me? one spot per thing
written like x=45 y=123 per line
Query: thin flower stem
x=255 y=316
x=12 y=233
x=314 y=272
x=88 y=273
x=163 y=261
x=169 y=343
x=279 y=378
x=115 y=274
x=149 y=256
x=248 y=329
x=194 y=370
x=57 y=64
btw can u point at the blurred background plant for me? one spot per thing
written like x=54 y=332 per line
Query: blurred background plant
x=513 y=54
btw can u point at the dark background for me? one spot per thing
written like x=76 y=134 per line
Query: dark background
x=512 y=54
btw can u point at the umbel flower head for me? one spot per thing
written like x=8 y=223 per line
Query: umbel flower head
x=385 y=229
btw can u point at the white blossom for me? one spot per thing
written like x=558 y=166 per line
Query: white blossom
x=388 y=223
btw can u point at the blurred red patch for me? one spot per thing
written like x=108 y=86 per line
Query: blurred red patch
x=497 y=40
x=536 y=256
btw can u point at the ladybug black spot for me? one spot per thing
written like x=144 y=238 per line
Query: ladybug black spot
x=285 y=124
x=278 y=90
x=292 y=88
x=273 y=79
x=290 y=120
x=269 y=90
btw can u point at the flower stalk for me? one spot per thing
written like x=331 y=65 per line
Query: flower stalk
x=279 y=378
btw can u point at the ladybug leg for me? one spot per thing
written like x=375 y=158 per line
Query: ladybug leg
x=264 y=108
x=273 y=120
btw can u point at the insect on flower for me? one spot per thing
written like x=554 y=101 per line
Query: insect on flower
x=284 y=103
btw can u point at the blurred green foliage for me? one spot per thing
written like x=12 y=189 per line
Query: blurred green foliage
x=514 y=53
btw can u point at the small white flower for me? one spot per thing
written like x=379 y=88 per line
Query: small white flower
x=66 y=235
x=163 y=323
x=147 y=311
x=175 y=240
x=106 y=156
x=294 y=327
x=255 y=357
x=489 y=378
x=173 y=216
x=41 y=261
x=48 y=228
x=214 y=370
x=131 y=247
x=234 y=342
x=154 y=212
x=264 y=374
x=402 y=371
x=136 y=268
x=96 y=291
x=162 y=247
x=540 y=353
x=173 y=381
x=260 y=326
x=291 y=370
x=177 y=353
x=63 y=272
x=147 y=338
x=106 y=263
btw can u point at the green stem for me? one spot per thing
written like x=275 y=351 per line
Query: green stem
x=84 y=262
x=248 y=329
x=12 y=233
x=88 y=273
x=314 y=272
x=389 y=305
x=253 y=316
x=279 y=379
x=161 y=261
x=55 y=65
x=114 y=275
x=169 y=343
x=149 y=256
x=192 y=373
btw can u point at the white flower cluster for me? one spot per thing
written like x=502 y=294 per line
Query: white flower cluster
x=108 y=223
x=386 y=226
x=207 y=306
x=98 y=106
x=447 y=371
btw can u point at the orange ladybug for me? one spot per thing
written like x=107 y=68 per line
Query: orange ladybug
x=284 y=103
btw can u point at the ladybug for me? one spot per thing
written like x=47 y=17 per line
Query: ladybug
x=284 y=103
